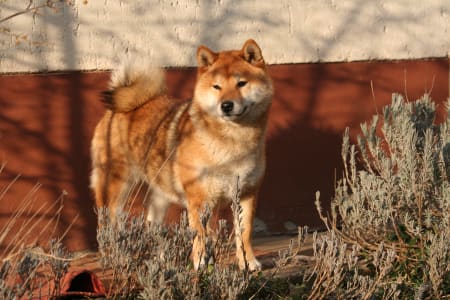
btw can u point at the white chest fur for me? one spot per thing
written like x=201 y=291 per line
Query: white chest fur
x=229 y=166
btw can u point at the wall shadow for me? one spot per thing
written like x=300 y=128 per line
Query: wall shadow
x=47 y=121
x=312 y=106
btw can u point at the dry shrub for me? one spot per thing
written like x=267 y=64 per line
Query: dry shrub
x=152 y=261
x=390 y=218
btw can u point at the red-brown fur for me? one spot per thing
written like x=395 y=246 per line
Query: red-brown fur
x=193 y=152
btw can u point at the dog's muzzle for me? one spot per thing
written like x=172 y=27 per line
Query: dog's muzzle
x=227 y=107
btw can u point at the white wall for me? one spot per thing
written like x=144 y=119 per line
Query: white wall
x=91 y=34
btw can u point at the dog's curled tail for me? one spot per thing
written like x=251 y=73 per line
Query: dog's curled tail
x=132 y=85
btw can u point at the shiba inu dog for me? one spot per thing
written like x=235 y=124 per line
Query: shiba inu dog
x=191 y=152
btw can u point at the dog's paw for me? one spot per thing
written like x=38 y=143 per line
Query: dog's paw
x=202 y=263
x=253 y=265
x=199 y=264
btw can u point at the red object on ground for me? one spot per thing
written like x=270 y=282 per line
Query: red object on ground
x=82 y=283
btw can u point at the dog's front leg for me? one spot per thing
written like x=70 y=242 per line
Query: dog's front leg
x=244 y=249
x=198 y=248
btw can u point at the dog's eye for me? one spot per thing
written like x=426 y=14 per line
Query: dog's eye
x=217 y=87
x=241 y=83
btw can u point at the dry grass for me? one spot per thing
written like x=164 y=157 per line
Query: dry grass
x=22 y=258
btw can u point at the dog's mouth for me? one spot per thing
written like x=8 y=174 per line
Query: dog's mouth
x=244 y=110
x=236 y=115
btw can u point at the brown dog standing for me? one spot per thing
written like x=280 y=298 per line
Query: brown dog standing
x=190 y=153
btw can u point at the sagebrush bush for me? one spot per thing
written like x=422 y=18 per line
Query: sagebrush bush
x=390 y=216
x=24 y=274
x=152 y=261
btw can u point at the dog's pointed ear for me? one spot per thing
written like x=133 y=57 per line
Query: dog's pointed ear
x=252 y=53
x=205 y=57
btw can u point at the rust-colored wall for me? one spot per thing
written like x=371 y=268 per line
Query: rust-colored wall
x=46 y=122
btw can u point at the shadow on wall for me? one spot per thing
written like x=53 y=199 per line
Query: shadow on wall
x=47 y=121
x=45 y=137
x=156 y=29
x=313 y=104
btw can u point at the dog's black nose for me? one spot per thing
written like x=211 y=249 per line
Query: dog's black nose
x=227 y=106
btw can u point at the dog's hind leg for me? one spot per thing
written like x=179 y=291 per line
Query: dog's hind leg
x=157 y=208
x=109 y=184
